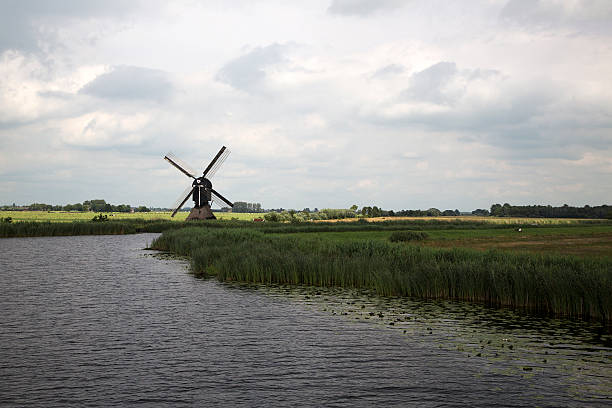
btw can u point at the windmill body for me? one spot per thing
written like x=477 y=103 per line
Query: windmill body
x=201 y=190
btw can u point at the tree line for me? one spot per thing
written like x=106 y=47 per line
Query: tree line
x=547 y=211
x=88 y=205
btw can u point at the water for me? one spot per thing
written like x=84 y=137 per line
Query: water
x=98 y=321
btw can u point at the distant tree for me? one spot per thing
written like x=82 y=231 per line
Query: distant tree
x=496 y=210
x=240 y=207
x=481 y=212
x=142 y=208
x=433 y=212
x=272 y=217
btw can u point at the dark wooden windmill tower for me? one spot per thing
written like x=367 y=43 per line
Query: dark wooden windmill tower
x=201 y=190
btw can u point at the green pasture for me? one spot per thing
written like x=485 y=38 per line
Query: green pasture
x=69 y=216
x=455 y=234
x=575 y=237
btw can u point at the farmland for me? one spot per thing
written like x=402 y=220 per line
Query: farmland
x=69 y=216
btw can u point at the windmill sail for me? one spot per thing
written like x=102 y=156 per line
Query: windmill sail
x=181 y=200
x=216 y=163
x=179 y=164
x=219 y=197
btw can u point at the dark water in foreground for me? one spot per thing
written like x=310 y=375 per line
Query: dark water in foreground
x=98 y=321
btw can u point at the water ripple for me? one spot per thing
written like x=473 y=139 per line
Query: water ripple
x=97 y=321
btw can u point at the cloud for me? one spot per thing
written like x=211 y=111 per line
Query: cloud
x=388 y=70
x=591 y=16
x=363 y=8
x=26 y=25
x=429 y=85
x=522 y=118
x=248 y=71
x=131 y=83
x=104 y=130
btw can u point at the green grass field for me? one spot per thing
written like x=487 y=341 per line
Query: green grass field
x=69 y=216
x=591 y=240
x=557 y=236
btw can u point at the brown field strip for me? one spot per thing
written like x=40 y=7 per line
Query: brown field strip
x=589 y=245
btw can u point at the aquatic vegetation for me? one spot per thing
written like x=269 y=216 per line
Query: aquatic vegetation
x=405 y=236
x=543 y=284
x=107 y=227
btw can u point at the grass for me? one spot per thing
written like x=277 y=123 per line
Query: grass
x=118 y=227
x=580 y=237
x=540 y=283
x=70 y=216
x=406 y=236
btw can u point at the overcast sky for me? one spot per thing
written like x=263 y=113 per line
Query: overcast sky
x=400 y=104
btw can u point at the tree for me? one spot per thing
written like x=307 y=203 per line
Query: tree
x=272 y=217
x=496 y=210
x=481 y=212
x=240 y=207
x=433 y=212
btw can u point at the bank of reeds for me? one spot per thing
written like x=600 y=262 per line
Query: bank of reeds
x=544 y=284
x=45 y=229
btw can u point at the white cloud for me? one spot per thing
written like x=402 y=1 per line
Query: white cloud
x=363 y=7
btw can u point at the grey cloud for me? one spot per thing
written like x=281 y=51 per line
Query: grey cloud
x=388 y=70
x=591 y=16
x=248 y=71
x=525 y=120
x=362 y=8
x=130 y=83
x=20 y=20
x=427 y=85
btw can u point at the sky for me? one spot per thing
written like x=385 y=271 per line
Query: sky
x=402 y=104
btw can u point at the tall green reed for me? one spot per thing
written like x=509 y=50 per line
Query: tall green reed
x=546 y=284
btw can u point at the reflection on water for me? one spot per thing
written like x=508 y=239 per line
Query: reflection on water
x=529 y=346
x=97 y=321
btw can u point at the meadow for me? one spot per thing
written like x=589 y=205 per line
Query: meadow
x=70 y=216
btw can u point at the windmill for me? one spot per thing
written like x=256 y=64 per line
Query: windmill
x=201 y=190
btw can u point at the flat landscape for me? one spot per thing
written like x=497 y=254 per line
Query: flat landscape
x=69 y=216
x=577 y=239
x=538 y=235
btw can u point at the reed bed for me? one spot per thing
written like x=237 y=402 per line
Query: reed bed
x=40 y=229
x=543 y=284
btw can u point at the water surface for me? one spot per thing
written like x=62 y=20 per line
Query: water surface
x=98 y=321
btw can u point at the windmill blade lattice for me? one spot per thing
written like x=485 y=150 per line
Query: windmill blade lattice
x=219 y=197
x=179 y=164
x=216 y=163
x=180 y=202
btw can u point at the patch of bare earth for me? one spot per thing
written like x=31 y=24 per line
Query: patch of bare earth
x=600 y=245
